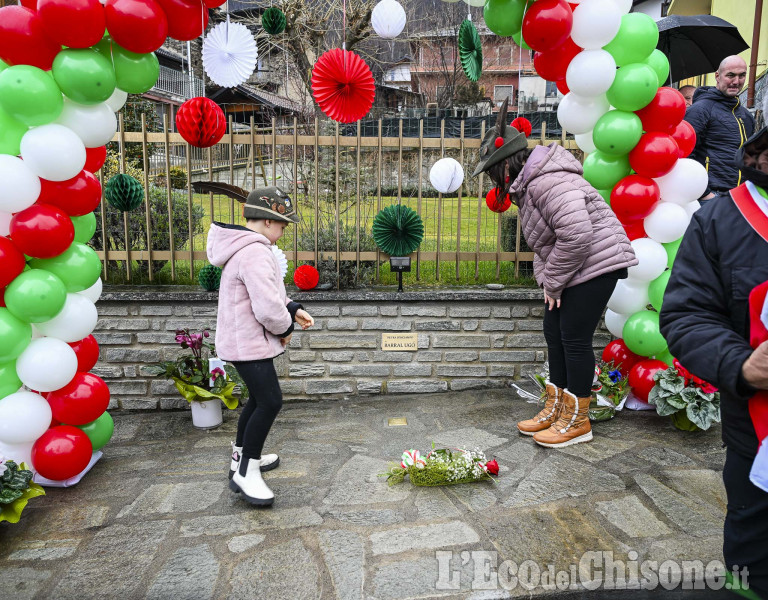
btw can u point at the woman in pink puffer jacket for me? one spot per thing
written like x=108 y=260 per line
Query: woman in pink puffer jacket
x=580 y=252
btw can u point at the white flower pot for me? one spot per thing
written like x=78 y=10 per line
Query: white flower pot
x=207 y=414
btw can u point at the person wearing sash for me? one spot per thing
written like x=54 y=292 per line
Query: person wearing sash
x=705 y=318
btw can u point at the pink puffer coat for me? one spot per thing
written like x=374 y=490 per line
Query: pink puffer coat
x=571 y=229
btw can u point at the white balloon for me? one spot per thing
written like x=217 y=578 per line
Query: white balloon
x=93 y=293
x=585 y=142
x=46 y=364
x=53 y=152
x=666 y=223
x=577 y=114
x=117 y=100
x=19 y=186
x=95 y=124
x=686 y=181
x=446 y=175
x=615 y=322
x=595 y=23
x=24 y=417
x=591 y=73
x=624 y=6
x=75 y=321
x=18 y=453
x=5 y=222
x=475 y=2
x=388 y=19
x=628 y=297
x=652 y=260
x=692 y=207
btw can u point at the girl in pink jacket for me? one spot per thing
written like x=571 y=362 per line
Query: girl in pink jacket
x=254 y=325
x=580 y=252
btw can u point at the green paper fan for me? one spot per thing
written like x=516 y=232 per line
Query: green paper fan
x=397 y=230
x=470 y=50
x=209 y=277
x=124 y=192
x=273 y=21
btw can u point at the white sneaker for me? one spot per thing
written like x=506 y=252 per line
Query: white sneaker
x=266 y=463
x=251 y=486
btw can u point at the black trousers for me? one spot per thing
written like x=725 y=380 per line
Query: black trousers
x=570 y=328
x=264 y=402
x=745 y=534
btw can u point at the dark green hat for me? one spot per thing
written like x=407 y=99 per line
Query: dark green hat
x=270 y=203
x=500 y=142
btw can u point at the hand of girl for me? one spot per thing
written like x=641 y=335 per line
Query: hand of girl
x=286 y=340
x=304 y=319
x=551 y=301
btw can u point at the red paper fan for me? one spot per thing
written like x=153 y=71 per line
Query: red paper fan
x=523 y=125
x=201 y=122
x=343 y=85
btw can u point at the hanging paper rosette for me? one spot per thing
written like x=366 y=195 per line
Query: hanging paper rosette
x=124 y=192
x=210 y=277
x=388 y=19
x=273 y=20
x=282 y=261
x=470 y=50
x=343 y=86
x=201 y=122
x=397 y=230
x=306 y=277
x=229 y=54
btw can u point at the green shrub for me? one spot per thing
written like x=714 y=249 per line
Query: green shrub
x=178 y=178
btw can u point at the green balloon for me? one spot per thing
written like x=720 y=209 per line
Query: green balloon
x=604 y=171
x=606 y=194
x=636 y=39
x=9 y=380
x=617 y=132
x=518 y=37
x=666 y=357
x=84 y=75
x=641 y=334
x=99 y=431
x=660 y=64
x=15 y=335
x=656 y=289
x=78 y=266
x=672 y=248
x=134 y=73
x=504 y=17
x=29 y=95
x=85 y=227
x=3 y=66
x=11 y=132
x=35 y=296
x=633 y=88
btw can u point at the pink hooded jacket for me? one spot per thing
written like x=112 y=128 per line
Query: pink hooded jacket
x=254 y=309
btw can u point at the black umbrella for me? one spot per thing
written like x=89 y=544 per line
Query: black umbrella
x=697 y=44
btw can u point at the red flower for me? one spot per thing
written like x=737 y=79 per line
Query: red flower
x=492 y=467
x=708 y=388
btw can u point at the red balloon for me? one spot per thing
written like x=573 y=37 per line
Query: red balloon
x=73 y=23
x=641 y=376
x=42 y=231
x=12 y=262
x=655 y=154
x=2 y=298
x=139 y=26
x=552 y=64
x=95 y=158
x=23 y=40
x=547 y=24
x=30 y=4
x=664 y=112
x=81 y=401
x=76 y=197
x=496 y=204
x=685 y=136
x=61 y=452
x=187 y=19
x=214 y=3
x=201 y=122
x=562 y=86
x=634 y=197
x=87 y=352
x=635 y=230
x=622 y=357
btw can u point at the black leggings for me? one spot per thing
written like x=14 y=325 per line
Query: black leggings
x=569 y=331
x=264 y=402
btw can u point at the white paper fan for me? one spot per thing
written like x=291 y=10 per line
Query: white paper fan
x=229 y=54
x=281 y=260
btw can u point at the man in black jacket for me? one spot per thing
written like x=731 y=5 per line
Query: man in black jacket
x=722 y=126
x=705 y=320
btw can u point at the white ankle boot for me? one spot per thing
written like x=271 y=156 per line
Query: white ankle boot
x=237 y=452
x=267 y=462
x=251 y=486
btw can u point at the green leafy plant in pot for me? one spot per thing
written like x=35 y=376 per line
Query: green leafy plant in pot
x=16 y=488
x=692 y=403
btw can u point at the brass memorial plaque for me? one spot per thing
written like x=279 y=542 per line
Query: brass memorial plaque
x=399 y=342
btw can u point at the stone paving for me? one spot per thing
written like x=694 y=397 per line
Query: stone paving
x=155 y=519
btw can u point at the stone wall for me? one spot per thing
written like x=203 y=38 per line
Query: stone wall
x=468 y=338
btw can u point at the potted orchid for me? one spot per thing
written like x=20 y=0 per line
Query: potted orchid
x=692 y=403
x=201 y=380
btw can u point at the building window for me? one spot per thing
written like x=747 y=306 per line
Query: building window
x=551 y=88
x=500 y=92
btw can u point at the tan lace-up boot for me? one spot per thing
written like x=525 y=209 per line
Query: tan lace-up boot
x=547 y=415
x=571 y=427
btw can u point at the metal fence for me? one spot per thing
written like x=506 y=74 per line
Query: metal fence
x=339 y=181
